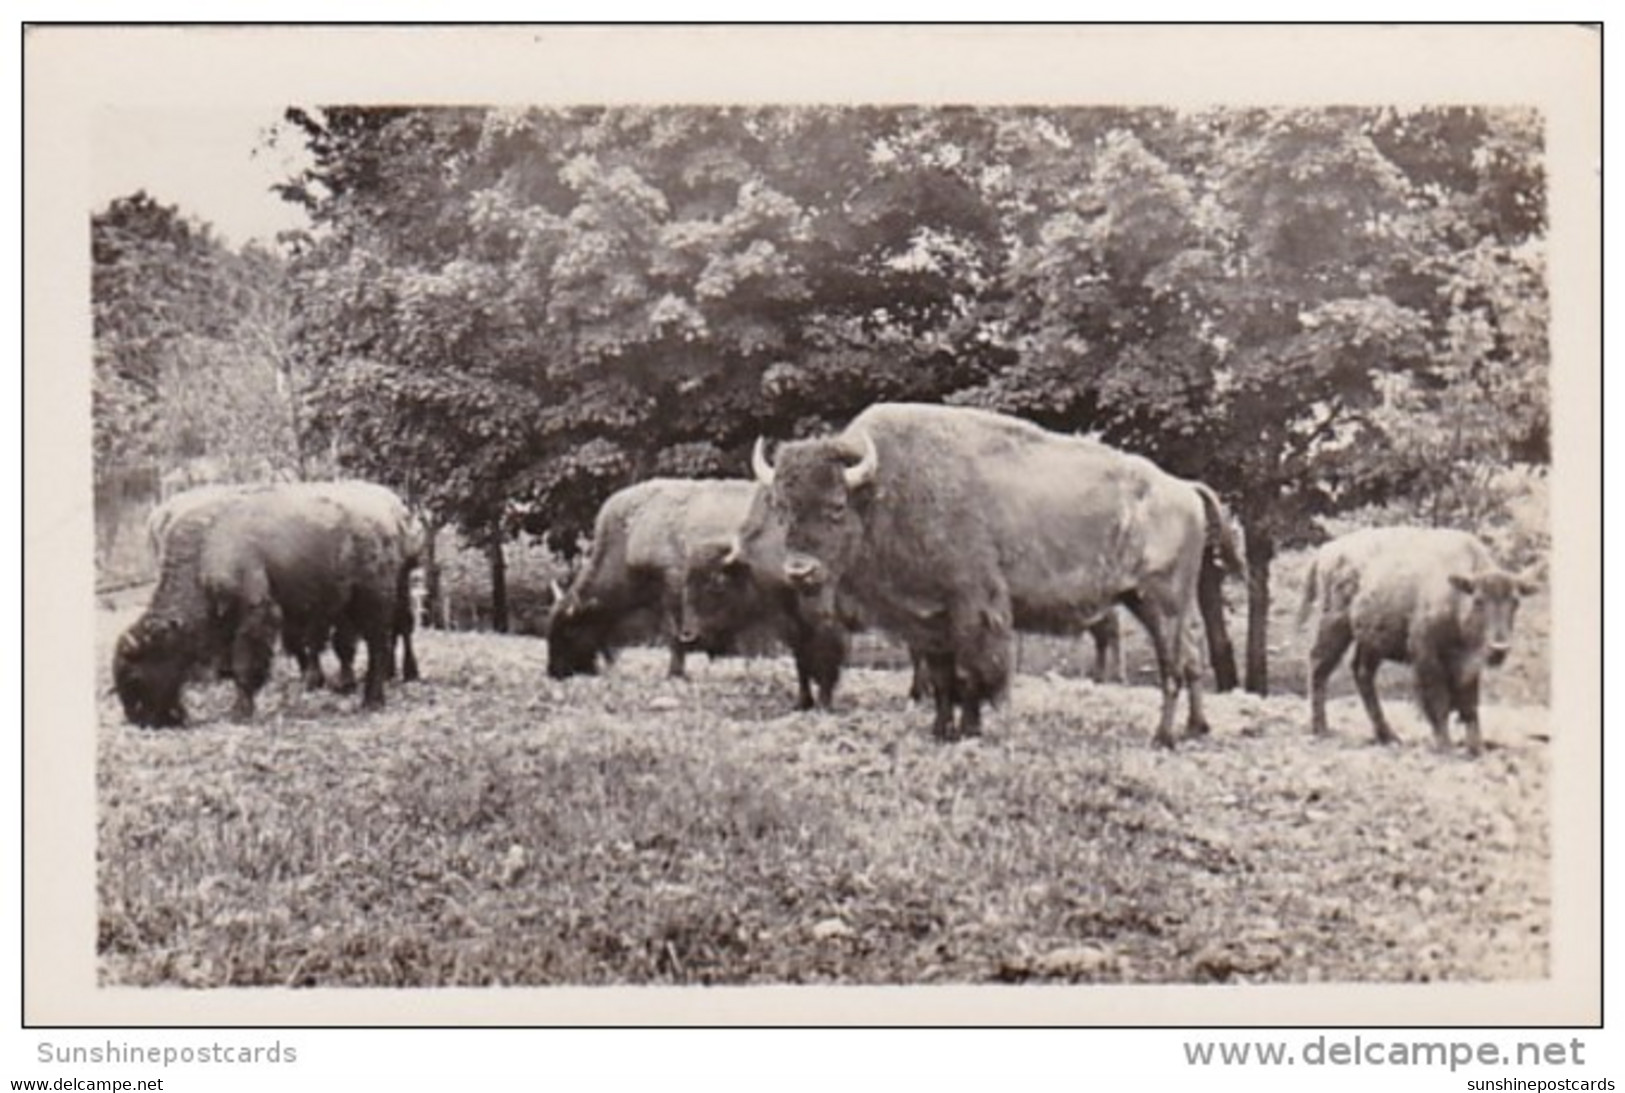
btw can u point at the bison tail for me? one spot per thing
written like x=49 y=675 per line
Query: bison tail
x=1311 y=584
x=1221 y=547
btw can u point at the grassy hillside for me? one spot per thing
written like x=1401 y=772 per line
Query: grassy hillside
x=494 y=827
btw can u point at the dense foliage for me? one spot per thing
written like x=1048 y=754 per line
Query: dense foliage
x=192 y=356
x=508 y=313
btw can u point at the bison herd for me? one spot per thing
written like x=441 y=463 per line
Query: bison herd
x=951 y=529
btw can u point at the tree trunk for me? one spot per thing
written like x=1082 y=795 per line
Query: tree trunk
x=434 y=601
x=1221 y=653
x=1260 y=552
x=499 y=586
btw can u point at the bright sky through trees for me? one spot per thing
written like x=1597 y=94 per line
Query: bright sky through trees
x=214 y=163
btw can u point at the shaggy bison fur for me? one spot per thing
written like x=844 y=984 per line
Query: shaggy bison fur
x=1428 y=597
x=664 y=543
x=238 y=573
x=951 y=528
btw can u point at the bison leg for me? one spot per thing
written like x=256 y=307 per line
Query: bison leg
x=1108 y=639
x=1366 y=663
x=801 y=650
x=304 y=644
x=378 y=643
x=372 y=617
x=310 y=667
x=940 y=667
x=1191 y=673
x=1332 y=640
x=344 y=645
x=819 y=653
x=804 y=695
x=827 y=647
x=983 y=645
x=1465 y=700
x=919 y=685
x=676 y=669
x=1166 y=642
x=827 y=676
x=250 y=666
x=1434 y=695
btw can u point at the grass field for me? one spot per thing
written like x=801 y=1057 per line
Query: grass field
x=491 y=826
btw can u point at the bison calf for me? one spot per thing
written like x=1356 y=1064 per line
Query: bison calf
x=1428 y=597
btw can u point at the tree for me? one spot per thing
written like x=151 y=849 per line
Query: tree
x=511 y=313
x=151 y=271
x=576 y=298
x=1235 y=292
x=191 y=347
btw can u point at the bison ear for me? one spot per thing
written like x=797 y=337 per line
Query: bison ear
x=1463 y=584
x=1528 y=582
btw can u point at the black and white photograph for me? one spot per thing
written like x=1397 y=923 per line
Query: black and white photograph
x=1085 y=559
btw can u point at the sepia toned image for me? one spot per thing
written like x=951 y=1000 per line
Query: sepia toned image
x=1062 y=556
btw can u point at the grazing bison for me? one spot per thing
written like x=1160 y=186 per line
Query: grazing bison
x=386 y=514
x=236 y=574
x=179 y=504
x=651 y=543
x=1428 y=597
x=952 y=528
x=368 y=502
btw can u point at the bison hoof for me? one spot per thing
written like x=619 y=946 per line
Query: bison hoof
x=1197 y=728
x=1163 y=740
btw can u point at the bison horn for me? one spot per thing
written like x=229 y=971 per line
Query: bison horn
x=736 y=551
x=557 y=590
x=863 y=470
x=759 y=463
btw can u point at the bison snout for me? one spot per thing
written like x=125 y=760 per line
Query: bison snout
x=804 y=572
x=1495 y=654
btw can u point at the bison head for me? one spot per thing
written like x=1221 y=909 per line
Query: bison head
x=151 y=664
x=815 y=497
x=721 y=596
x=575 y=638
x=1488 y=608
